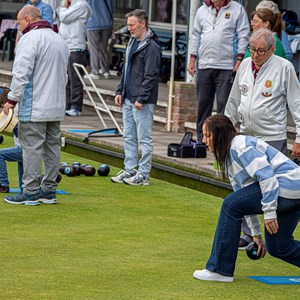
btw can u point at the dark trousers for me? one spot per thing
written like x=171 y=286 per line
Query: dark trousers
x=211 y=82
x=247 y=201
x=74 y=89
x=98 y=41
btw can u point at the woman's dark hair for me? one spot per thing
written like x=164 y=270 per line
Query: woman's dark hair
x=275 y=20
x=222 y=131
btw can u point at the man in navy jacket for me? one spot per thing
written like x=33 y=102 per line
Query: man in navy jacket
x=137 y=93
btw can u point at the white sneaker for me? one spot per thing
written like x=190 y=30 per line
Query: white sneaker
x=211 y=276
x=138 y=179
x=106 y=75
x=92 y=76
x=73 y=112
x=123 y=175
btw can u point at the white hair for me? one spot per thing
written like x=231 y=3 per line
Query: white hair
x=269 y=5
x=266 y=34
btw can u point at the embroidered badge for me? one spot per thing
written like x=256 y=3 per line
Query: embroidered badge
x=227 y=15
x=266 y=94
x=244 y=88
x=268 y=84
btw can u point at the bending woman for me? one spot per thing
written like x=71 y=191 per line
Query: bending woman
x=264 y=182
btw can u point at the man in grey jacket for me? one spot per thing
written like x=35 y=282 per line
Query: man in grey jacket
x=219 y=25
x=38 y=85
x=137 y=93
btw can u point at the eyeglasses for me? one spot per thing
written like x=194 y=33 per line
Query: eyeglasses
x=255 y=21
x=260 y=52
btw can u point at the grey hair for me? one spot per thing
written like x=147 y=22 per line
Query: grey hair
x=269 y=5
x=266 y=34
x=31 y=11
x=140 y=14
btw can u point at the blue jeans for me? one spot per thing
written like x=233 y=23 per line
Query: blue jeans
x=138 y=131
x=10 y=154
x=247 y=201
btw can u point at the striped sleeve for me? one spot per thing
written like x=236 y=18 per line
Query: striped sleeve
x=257 y=166
x=254 y=224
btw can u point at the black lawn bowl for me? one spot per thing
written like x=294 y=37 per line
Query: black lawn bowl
x=82 y=166
x=89 y=171
x=103 y=170
x=70 y=171
x=252 y=251
x=62 y=167
x=77 y=165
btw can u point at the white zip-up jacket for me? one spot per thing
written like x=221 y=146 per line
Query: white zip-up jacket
x=40 y=76
x=214 y=36
x=260 y=104
x=73 y=24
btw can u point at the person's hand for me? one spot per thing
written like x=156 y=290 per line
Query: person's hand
x=192 y=66
x=118 y=100
x=271 y=225
x=262 y=250
x=138 y=105
x=6 y=107
x=296 y=150
x=236 y=66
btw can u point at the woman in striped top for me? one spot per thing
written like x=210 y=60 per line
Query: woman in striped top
x=264 y=182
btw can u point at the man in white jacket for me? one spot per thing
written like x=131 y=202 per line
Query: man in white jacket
x=55 y=4
x=220 y=27
x=38 y=85
x=73 y=17
x=265 y=86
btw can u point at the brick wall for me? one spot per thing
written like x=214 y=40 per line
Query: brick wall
x=184 y=105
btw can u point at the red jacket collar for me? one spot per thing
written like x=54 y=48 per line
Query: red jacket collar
x=37 y=25
x=210 y=3
x=254 y=69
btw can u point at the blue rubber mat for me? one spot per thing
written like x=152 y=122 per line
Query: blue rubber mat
x=277 y=279
x=17 y=190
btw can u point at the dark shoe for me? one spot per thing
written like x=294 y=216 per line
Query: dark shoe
x=4 y=189
x=245 y=241
x=47 y=198
x=23 y=198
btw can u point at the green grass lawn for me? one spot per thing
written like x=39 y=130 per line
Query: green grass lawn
x=113 y=241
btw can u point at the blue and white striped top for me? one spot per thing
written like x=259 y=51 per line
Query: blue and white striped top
x=252 y=160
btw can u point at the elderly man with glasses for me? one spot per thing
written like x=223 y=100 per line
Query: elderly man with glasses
x=265 y=86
